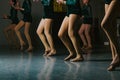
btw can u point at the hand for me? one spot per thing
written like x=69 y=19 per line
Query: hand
x=11 y=2
x=35 y=0
x=60 y=1
x=22 y=9
x=5 y=16
x=18 y=8
x=82 y=17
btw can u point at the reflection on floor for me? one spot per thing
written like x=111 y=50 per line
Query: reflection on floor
x=15 y=65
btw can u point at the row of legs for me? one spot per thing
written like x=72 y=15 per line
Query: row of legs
x=16 y=28
x=67 y=34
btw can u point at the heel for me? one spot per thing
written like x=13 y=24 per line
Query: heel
x=22 y=47
x=29 y=50
x=113 y=66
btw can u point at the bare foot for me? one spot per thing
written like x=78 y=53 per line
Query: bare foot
x=88 y=48
x=111 y=68
x=46 y=52
x=51 y=53
x=83 y=47
x=78 y=58
x=22 y=46
x=30 y=49
x=68 y=57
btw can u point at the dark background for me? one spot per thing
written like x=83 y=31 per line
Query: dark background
x=98 y=37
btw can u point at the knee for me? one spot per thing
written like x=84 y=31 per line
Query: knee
x=37 y=31
x=15 y=29
x=47 y=33
x=26 y=33
x=103 y=25
x=71 y=34
x=62 y=35
x=87 y=33
x=80 y=33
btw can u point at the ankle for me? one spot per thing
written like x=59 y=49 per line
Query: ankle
x=79 y=56
x=53 y=50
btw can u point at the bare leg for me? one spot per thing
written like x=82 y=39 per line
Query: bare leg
x=14 y=40
x=17 y=28
x=113 y=49
x=72 y=32
x=87 y=34
x=81 y=33
x=63 y=35
x=41 y=35
x=26 y=32
x=47 y=29
x=6 y=34
x=111 y=44
x=6 y=30
x=106 y=7
x=109 y=24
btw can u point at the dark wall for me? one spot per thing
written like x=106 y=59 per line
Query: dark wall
x=98 y=13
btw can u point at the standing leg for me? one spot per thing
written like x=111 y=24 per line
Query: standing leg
x=109 y=24
x=17 y=28
x=40 y=32
x=13 y=37
x=113 y=49
x=63 y=35
x=88 y=37
x=48 y=28
x=111 y=44
x=26 y=32
x=72 y=32
x=8 y=33
x=81 y=33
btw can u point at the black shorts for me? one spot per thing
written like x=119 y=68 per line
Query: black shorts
x=87 y=21
x=27 y=18
x=108 y=1
x=48 y=12
x=73 y=9
x=15 y=21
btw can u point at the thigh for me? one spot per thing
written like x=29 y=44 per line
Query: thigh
x=73 y=21
x=82 y=28
x=48 y=25
x=20 y=25
x=112 y=12
x=41 y=26
x=64 y=26
x=10 y=27
x=106 y=7
x=27 y=26
x=13 y=27
x=87 y=27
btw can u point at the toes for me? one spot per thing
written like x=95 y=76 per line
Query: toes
x=76 y=59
